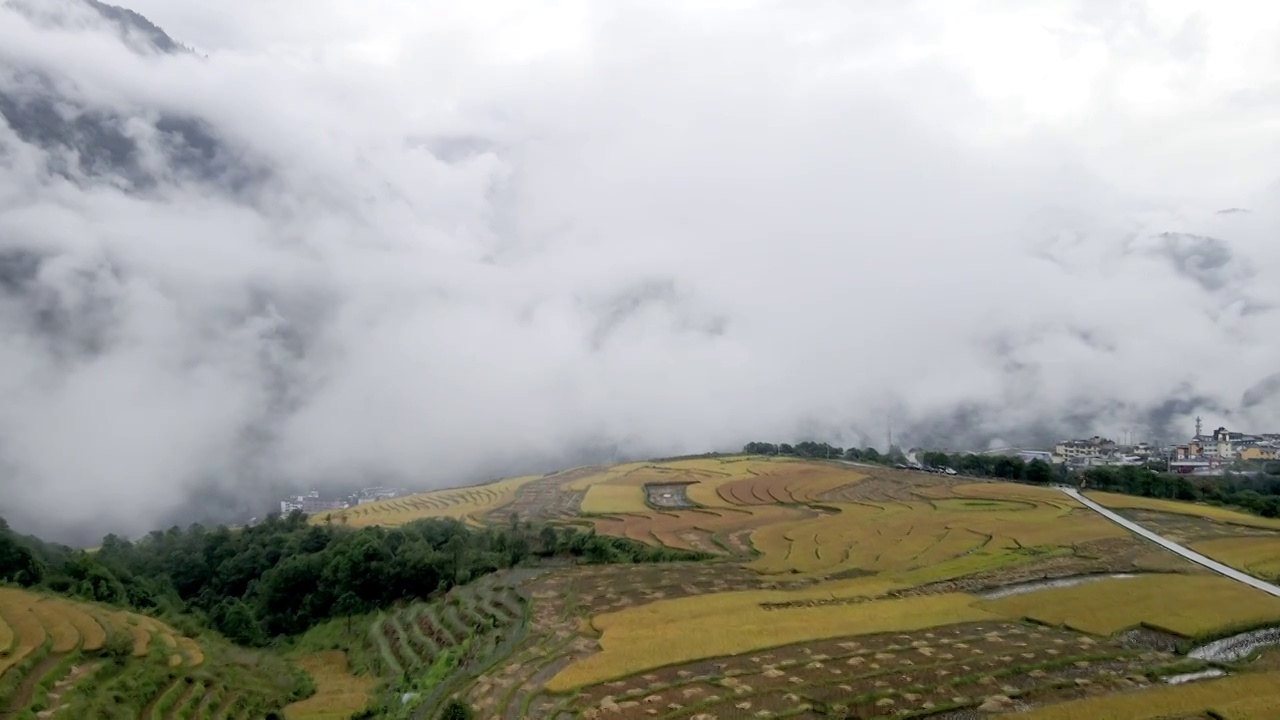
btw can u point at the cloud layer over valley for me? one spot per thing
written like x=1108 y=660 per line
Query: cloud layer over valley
x=432 y=242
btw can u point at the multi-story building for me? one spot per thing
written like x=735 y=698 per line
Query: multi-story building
x=1223 y=445
x=1094 y=447
x=1260 y=452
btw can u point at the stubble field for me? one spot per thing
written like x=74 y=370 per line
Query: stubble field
x=852 y=592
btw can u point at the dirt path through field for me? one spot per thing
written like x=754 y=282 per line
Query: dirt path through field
x=1185 y=552
x=27 y=688
x=61 y=687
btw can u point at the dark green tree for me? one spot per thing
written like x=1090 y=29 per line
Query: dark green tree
x=18 y=564
x=1039 y=472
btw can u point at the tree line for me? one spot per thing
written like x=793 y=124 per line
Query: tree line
x=820 y=450
x=1258 y=494
x=283 y=576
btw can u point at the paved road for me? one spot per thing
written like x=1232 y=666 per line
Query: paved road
x=1191 y=555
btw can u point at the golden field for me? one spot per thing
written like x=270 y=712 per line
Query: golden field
x=468 y=504
x=907 y=536
x=616 y=499
x=28 y=621
x=838 y=556
x=1257 y=555
x=1188 y=605
x=339 y=694
x=633 y=642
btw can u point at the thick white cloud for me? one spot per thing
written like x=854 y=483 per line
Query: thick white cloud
x=491 y=234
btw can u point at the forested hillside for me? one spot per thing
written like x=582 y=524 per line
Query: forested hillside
x=283 y=576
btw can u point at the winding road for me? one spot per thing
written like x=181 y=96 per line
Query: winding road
x=1189 y=554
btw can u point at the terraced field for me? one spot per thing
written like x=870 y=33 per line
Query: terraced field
x=840 y=591
x=983 y=664
x=439 y=646
x=66 y=659
x=470 y=504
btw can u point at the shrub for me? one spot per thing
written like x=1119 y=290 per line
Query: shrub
x=456 y=710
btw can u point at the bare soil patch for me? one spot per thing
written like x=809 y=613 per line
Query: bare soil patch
x=673 y=495
x=545 y=498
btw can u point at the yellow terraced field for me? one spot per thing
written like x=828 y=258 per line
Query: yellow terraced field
x=602 y=499
x=1189 y=605
x=6 y=634
x=191 y=653
x=633 y=641
x=1258 y=556
x=907 y=536
x=55 y=616
x=1244 y=697
x=706 y=480
x=1212 y=512
x=669 y=527
x=469 y=504
x=30 y=620
x=147 y=631
x=28 y=632
x=769 y=482
x=92 y=634
x=339 y=694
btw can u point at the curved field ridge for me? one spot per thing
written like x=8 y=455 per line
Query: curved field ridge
x=29 y=634
x=785 y=482
x=968 y=525
x=55 y=617
x=56 y=643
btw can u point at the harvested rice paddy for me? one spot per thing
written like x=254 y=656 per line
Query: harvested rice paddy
x=842 y=590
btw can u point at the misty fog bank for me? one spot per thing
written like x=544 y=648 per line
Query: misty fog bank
x=427 y=244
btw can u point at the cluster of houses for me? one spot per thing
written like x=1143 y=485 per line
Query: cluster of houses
x=1204 y=454
x=311 y=502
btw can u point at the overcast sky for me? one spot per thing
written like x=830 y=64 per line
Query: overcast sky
x=489 y=234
